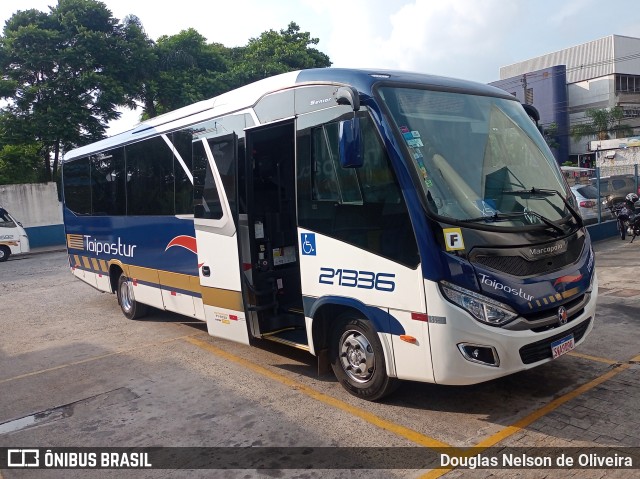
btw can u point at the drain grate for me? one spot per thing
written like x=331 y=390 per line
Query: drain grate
x=114 y=396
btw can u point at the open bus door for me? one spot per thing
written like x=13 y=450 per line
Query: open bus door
x=268 y=234
x=215 y=176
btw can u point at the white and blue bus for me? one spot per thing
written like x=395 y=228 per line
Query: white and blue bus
x=396 y=225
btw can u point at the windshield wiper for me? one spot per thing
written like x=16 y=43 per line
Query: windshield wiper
x=546 y=192
x=496 y=216
x=507 y=216
x=533 y=191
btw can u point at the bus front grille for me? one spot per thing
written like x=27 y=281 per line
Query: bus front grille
x=540 y=350
x=517 y=265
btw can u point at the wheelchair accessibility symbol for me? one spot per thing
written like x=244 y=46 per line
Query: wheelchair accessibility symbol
x=308 y=242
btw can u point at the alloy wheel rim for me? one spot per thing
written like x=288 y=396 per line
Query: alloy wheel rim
x=356 y=356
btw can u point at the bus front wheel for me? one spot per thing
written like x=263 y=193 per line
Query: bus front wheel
x=357 y=359
x=4 y=253
x=127 y=301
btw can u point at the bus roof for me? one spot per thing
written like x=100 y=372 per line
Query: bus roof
x=247 y=96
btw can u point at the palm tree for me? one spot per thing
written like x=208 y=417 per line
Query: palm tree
x=603 y=123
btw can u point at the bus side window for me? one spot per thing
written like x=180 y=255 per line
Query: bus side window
x=184 y=188
x=150 y=179
x=206 y=198
x=224 y=154
x=360 y=206
x=108 y=183
x=77 y=186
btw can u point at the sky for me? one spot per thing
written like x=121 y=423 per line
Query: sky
x=469 y=39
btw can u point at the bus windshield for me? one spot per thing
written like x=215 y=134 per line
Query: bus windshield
x=479 y=159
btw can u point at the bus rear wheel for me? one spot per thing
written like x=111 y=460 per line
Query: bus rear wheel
x=127 y=301
x=4 y=253
x=357 y=359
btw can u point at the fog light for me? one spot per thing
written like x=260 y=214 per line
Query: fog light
x=480 y=354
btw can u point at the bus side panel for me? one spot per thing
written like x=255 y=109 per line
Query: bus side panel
x=413 y=360
x=157 y=252
x=330 y=267
x=221 y=290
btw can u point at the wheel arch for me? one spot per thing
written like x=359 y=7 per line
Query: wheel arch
x=115 y=270
x=325 y=312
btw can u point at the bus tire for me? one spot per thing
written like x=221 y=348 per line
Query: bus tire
x=5 y=252
x=128 y=304
x=354 y=344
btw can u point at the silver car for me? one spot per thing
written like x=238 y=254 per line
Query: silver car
x=586 y=197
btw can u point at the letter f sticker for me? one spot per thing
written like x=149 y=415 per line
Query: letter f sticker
x=453 y=239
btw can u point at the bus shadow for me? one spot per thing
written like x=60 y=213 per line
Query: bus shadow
x=499 y=400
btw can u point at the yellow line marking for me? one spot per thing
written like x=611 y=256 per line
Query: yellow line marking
x=592 y=358
x=377 y=421
x=534 y=416
x=543 y=411
x=95 y=358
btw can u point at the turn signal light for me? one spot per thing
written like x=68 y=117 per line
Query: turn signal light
x=408 y=339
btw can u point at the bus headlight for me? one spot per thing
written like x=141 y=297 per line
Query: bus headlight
x=483 y=309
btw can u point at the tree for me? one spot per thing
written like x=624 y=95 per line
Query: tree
x=188 y=69
x=602 y=123
x=273 y=53
x=550 y=133
x=19 y=164
x=63 y=74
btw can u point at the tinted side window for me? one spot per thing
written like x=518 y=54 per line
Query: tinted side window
x=206 y=198
x=108 y=180
x=183 y=187
x=150 y=181
x=77 y=186
x=330 y=181
x=366 y=208
x=224 y=154
x=225 y=138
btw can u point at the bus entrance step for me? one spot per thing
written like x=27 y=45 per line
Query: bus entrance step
x=294 y=337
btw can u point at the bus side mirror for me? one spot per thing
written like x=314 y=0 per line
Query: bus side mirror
x=350 y=143
x=347 y=95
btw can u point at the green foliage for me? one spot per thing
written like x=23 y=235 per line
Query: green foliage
x=550 y=133
x=63 y=73
x=276 y=52
x=602 y=124
x=19 y=164
x=189 y=69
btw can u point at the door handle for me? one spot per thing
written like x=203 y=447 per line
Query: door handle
x=206 y=271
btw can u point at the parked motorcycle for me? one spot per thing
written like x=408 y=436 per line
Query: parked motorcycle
x=628 y=217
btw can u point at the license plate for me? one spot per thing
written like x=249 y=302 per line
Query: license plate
x=562 y=346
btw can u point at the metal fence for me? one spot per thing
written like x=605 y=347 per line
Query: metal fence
x=600 y=191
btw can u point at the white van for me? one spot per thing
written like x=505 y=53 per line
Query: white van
x=13 y=237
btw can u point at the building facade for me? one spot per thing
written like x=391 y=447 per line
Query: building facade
x=603 y=73
x=546 y=89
